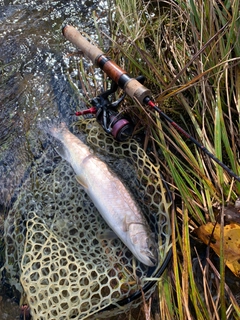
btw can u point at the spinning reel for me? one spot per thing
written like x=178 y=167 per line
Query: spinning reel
x=112 y=121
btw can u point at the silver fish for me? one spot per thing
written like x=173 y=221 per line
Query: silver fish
x=109 y=195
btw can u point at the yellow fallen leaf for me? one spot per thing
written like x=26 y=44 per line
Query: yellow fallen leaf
x=231 y=243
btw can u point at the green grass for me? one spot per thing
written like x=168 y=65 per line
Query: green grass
x=189 y=52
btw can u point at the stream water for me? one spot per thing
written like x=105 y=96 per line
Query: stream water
x=33 y=79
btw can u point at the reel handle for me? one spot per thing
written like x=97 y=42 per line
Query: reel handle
x=131 y=86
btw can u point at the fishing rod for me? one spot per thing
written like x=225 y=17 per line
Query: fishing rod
x=105 y=111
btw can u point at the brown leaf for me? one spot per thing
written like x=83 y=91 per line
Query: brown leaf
x=231 y=243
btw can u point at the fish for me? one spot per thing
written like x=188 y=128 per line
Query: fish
x=110 y=196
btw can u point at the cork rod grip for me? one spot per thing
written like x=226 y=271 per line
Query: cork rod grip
x=130 y=85
x=73 y=35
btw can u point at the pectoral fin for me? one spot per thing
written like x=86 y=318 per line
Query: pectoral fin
x=81 y=181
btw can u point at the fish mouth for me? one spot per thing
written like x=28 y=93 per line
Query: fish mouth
x=149 y=258
x=153 y=256
x=153 y=261
x=150 y=261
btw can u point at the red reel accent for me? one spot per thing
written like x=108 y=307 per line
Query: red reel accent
x=91 y=110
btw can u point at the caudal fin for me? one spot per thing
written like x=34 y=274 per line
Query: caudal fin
x=54 y=127
x=57 y=131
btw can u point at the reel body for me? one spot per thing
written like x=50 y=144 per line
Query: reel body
x=113 y=122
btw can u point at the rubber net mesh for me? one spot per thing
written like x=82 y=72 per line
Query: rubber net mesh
x=55 y=237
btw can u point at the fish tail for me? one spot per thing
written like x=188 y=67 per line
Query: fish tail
x=53 y=127
x=57 y=131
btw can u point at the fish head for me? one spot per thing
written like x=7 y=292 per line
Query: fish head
x=145 y=246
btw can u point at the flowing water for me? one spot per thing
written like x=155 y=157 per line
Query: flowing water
x=34 y=73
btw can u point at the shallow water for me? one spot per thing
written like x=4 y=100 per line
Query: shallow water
x=34 y=73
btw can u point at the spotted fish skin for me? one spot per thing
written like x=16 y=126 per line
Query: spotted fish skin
x=110 y=196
